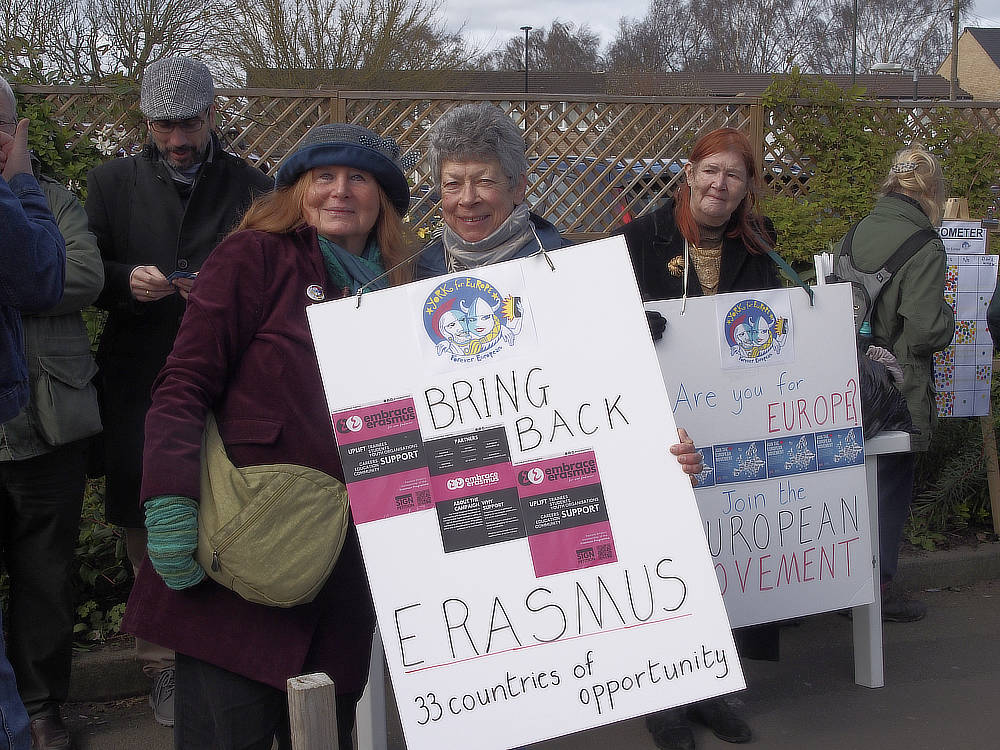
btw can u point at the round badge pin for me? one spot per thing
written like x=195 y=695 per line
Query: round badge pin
x=315 y=293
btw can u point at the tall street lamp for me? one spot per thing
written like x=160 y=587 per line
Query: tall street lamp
x=854 y=48
x=526 y=29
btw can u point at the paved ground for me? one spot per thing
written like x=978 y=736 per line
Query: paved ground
x=942 y=691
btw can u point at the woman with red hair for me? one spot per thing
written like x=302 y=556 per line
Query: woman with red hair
x=708 y=239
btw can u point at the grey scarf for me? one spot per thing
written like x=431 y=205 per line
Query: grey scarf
x=505 y=241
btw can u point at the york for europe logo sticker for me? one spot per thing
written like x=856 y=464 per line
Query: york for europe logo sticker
x=755 y=331
x=470 y=320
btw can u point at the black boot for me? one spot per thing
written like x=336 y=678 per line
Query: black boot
x=718 y=716
x=670 y=729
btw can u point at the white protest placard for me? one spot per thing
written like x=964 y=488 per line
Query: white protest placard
x=535 y=553
x=783 y=497
x=963 y=372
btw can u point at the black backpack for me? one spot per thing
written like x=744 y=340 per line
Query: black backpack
x=867 y=286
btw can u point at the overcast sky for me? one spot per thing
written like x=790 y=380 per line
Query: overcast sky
x=491 y=22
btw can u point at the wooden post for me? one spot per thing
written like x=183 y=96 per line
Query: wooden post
x=756 y=134
x=312 y=712
x=956 y=208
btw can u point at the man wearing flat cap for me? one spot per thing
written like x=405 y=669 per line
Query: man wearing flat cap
x=156 y=216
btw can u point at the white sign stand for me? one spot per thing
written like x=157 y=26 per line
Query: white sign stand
x=869 y=668
x=868 y=663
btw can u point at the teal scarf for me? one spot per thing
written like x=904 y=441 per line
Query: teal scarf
x=351 y=272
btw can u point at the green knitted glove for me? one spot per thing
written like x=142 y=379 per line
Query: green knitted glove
x=172 y=523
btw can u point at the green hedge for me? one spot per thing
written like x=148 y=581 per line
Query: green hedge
x=849 y=148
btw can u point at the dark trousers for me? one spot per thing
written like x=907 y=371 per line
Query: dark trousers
x=40 y=501
x=895 y=491
x=215 y=709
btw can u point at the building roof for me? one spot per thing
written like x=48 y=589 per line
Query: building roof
x=879 y=85
x=458 y=81
x=989 y=40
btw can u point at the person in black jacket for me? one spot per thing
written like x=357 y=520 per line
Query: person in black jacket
x=708 y=239
x=157 y=216
x=993 y=317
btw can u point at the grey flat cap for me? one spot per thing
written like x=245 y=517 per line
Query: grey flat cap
x=176 y=88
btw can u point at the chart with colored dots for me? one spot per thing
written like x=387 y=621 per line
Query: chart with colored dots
x=963 y=371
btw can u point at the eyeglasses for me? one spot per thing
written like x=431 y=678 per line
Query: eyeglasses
x=190 y=125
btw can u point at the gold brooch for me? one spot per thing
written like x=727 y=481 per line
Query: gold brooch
x=676 y=265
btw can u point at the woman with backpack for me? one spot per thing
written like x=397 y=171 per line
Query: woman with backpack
x=911 y=319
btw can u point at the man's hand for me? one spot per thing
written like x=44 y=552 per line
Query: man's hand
x=148 y=284
x=183 y=286
x=14 y=158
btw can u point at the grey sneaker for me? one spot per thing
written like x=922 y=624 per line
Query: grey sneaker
x=161 y=697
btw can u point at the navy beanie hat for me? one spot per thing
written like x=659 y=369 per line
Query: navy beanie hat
x=352 y=146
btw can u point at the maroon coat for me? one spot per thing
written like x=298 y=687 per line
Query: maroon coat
x=244 y=350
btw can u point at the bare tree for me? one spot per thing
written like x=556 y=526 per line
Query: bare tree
x=44 y=41
x=911 y=32
x=88 y=41
x=741 y=36
x=770 y=36
x=753 y=36
x=369 y=37
x=666 y=39
x=563 y=47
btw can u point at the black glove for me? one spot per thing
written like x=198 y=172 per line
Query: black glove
x=657 y=324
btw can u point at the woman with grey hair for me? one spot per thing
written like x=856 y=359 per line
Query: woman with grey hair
x=477 y=158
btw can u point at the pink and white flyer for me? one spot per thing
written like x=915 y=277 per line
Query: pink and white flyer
x=385 y=465
x=565 y=515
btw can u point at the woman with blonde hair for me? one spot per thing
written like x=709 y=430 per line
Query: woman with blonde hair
x=244 y=354
x=912 y=320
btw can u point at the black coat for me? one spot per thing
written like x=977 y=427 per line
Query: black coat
x=140 y=218
x=654 y=239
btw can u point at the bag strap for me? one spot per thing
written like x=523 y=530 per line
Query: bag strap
x=908 y=249
x=845 y=246
x=790 y=273
x=897 y=260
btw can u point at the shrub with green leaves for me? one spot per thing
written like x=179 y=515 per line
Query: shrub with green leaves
x=848 y=146
x=50 y=141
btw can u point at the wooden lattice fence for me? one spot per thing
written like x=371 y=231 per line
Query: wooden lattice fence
x=595 y=162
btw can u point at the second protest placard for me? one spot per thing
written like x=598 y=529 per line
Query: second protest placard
x=767 y=385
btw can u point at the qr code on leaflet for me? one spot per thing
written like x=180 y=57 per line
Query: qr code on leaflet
x=605 y=551
x=423 y=497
